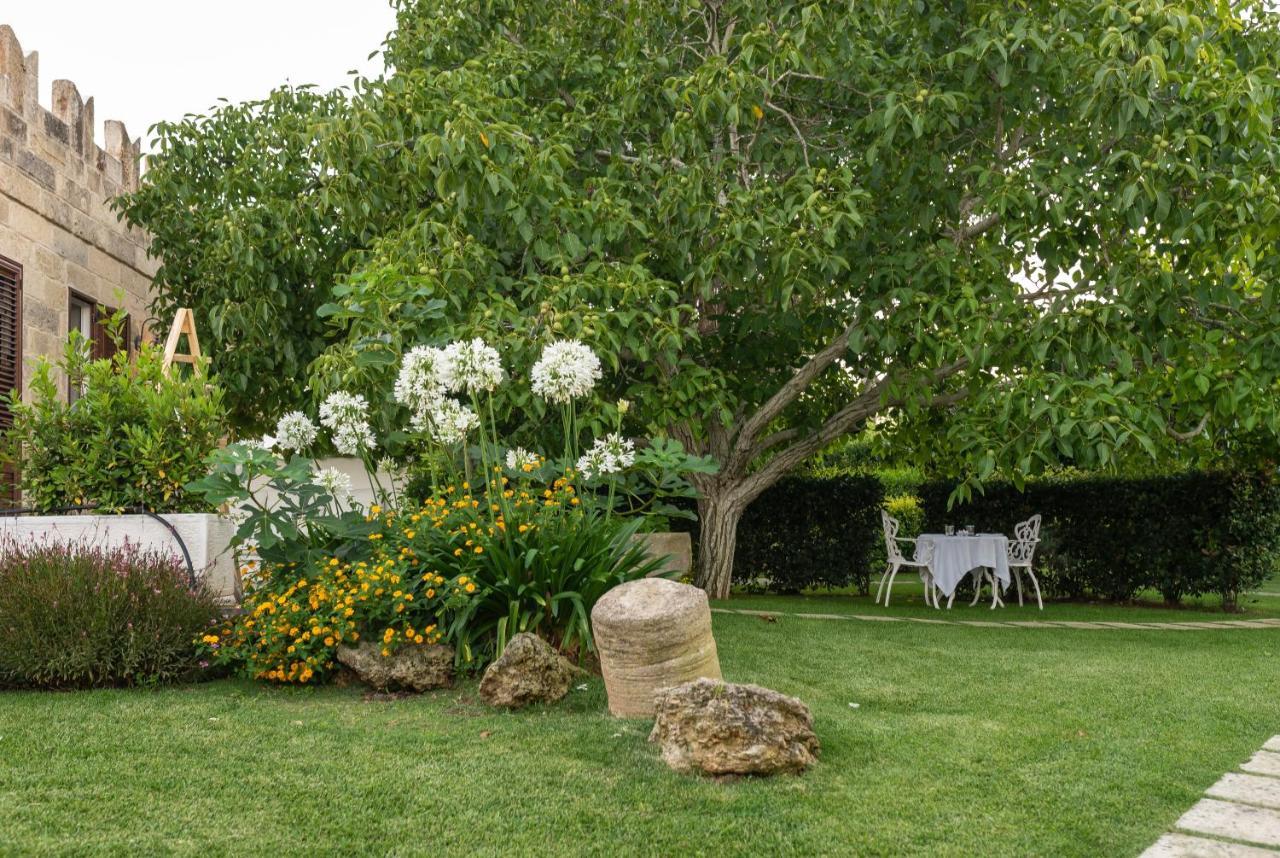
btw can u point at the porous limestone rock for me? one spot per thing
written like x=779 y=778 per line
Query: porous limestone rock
x=720 y=728
x=420 y=668
x=528 y=671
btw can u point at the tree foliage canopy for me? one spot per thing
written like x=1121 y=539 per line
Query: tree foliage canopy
x=1014 y=232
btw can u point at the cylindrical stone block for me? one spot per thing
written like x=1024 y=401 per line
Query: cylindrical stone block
x=652 y=634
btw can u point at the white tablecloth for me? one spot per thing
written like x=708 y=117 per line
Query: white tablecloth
x=954 y=557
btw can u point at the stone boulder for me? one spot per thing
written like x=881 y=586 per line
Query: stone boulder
x=528 y=671
x=652 y=634
x=725 y=729
x=420 y=668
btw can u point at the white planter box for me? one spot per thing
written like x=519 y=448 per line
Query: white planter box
x=207 y=538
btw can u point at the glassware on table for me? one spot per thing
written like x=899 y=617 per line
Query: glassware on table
x=950 y=529
x=970 y=530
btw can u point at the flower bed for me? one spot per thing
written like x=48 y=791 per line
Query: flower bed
x=489 y=540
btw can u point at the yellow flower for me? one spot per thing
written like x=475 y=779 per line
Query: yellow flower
x=471 y=588
x=328 y=641
x=463 y=579
x=375 y=510
x=479 y=550
x=431 y=594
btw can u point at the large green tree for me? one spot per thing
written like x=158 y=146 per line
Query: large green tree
x=1007 y=233
x=230 y=203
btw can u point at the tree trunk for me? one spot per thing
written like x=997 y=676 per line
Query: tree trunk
x=718 y=515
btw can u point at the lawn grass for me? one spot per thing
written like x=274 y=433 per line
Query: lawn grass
x=965 y=741
x=907 y=600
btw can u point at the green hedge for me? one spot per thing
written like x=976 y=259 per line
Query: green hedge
x=1113 y=537
x=809 y=532
x=1102 y=537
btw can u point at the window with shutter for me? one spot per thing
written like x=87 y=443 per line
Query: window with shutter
x=10 y=362
x=104 y=344
x=92 y=320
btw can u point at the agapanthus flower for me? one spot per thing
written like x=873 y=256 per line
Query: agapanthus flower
x=266 y=442
x=333 y=481
x=450 y=421
x=295 y=432
x=418 y=384
x=520 y=459
x=608 y=455
x=471 y=366
x=566 y=371
x=346 y=416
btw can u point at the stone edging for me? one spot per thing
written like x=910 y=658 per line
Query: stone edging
x=1101 y=625
x=1239 y=817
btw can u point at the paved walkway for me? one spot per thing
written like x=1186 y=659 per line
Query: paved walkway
x=1239 y=817
x=1212 y=625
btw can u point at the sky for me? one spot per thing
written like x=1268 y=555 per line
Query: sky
x=147 y=60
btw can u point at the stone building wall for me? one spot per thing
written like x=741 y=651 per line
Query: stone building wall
x=55 y=219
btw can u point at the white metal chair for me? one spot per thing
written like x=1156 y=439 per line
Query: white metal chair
x=1022 y=548
x=897 y=560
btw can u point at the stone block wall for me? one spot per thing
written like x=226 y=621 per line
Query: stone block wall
x=56 y=184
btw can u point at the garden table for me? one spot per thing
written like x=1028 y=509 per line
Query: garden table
x=951 y=558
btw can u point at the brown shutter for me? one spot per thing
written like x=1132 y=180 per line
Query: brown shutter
x=10 y=362
x=103 y=345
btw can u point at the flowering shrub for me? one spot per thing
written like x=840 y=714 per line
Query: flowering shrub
x=75 y=616
x=482 y=554
x=443 y=571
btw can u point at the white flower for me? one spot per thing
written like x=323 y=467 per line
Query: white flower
x=295 y=431
x=450 y=421
x=567 y=370
x=418 y=384
x=333 y=481
x=608 y=455
x=521 y=459
x=469 y=366
x=266 y=442
x=346 y=416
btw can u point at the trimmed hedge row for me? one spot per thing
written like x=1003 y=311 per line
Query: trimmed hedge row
x=1101 y=537
x=807 y=532
x=1110 y=538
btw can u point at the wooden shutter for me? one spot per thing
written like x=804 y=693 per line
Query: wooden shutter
x=10 y=362
x=103 y=345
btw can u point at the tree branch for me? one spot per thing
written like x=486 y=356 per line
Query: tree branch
x=1183 y=437
x=632 y=159
x=859 y=409
x=744 y=443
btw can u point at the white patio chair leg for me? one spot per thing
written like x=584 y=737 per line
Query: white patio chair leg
x=952 y=599
x=1036 y=584
x=1017 y=579
x=887 y=569
x=996 y=601
x=888 y=591
x=977 y=588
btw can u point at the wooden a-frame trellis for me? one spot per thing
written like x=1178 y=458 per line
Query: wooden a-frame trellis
x=183 y=323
